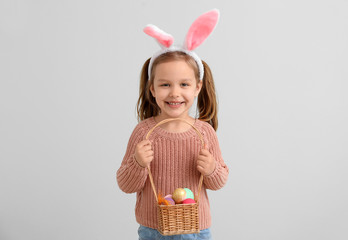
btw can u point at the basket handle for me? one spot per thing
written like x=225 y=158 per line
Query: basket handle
x=202 y=141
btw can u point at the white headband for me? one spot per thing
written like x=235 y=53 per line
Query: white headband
x=200 y=29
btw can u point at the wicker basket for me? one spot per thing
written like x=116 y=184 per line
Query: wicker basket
x=179 y=218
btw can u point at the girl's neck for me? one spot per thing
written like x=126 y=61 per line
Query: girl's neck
x=175 y=126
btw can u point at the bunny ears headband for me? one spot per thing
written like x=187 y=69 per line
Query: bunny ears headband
x=200 y=29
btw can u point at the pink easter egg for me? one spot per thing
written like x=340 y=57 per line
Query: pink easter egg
x=188 y=201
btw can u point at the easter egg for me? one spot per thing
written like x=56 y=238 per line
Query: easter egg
x=188 y=201
x=189 y=193
x=179 y=195
x=170 y=200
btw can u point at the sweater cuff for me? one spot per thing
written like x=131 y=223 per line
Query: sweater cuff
x=214 y=173
x=216 y=179
x=133 y=163
x=135 y=160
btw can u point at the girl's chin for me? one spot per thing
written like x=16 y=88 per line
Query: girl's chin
x=174 y=115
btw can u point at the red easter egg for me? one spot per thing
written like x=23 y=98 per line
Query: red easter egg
x=188 y=201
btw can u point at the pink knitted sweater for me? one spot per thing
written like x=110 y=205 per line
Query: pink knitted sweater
x=173 y=166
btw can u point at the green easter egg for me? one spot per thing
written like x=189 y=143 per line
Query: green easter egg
x=189 y=193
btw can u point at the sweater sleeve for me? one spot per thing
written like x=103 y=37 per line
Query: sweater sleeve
x=218 y=178
x=131 y=177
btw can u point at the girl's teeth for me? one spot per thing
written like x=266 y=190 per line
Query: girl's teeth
x=174 y=103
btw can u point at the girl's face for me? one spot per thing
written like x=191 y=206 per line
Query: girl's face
x=174 y=88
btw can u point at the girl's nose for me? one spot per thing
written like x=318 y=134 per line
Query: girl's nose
x=174 y=92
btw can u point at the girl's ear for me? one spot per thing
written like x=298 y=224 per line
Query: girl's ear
x=198 y=87
x=152 y=90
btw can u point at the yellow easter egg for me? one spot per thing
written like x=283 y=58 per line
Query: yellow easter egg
x=179 y=195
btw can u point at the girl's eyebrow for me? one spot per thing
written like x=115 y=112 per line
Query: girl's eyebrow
x=184 y=79
x=190 y=80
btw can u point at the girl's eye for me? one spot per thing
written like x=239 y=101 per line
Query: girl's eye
x=164 y=85
x=185 y=84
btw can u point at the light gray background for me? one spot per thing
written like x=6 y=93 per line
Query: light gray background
x=69 y=74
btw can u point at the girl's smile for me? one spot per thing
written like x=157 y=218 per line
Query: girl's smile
x=175 y=104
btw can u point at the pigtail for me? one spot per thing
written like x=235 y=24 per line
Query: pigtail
x=207 y=100
x=146 y=105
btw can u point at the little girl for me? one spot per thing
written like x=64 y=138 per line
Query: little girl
x=170 y=82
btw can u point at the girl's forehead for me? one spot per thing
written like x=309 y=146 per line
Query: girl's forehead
x=174 y=69
x=174 y=64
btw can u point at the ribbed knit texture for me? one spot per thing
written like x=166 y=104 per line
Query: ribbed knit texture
x=174 y=166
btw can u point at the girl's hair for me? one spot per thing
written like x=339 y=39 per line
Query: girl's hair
x=206 y=102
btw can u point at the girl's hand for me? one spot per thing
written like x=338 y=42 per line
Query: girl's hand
x=205 y=162
x=143 y=153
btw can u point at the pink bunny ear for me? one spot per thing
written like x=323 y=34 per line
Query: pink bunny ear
x=201 y=28
x=163 y=38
